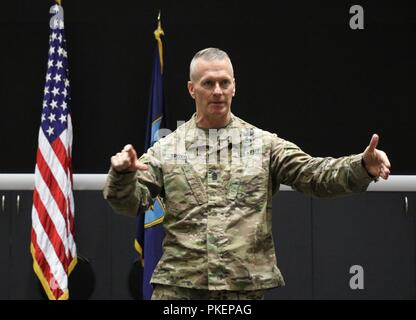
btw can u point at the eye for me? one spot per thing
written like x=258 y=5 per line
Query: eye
x=208 y=84
x=225 y=83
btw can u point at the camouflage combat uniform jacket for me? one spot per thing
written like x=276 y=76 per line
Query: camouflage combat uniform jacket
x=217 y=187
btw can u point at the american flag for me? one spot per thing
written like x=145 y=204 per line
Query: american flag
x=52 y=242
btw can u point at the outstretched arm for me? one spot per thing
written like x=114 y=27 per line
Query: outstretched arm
x=321 y=177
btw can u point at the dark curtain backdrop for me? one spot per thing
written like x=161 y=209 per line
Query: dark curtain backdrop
x=301 y=72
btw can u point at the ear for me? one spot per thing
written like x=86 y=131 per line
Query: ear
x=191 y=89
x=234 y=88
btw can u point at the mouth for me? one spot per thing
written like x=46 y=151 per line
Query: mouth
x=218 y=107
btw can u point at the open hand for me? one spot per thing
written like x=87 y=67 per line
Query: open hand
x=376 y=161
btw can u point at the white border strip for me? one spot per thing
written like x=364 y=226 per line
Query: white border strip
x=26 y=181
x=96 y=182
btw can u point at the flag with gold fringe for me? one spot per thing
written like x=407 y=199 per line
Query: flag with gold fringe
x=52 y=237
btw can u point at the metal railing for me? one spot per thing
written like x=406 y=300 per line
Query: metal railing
x=16 y=181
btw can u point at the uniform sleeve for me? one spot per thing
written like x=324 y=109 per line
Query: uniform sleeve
x=321 y=177
x=128 y=192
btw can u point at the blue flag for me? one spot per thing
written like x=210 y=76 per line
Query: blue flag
x=150 y=231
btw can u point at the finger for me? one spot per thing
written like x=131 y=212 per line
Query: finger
x=127 y=147
x=132 y=155
x=373 y=143
x=382 y=158
x=381 y=173
x=131 y=152
x=117 y=163
x=140 y=166
x=116 y=159
x=121 y=159
x=385 y=169
x=385 y=160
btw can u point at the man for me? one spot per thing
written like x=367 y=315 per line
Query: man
x=217 y=175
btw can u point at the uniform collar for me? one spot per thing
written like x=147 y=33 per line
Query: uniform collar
x=192 y=122
x=192 y=132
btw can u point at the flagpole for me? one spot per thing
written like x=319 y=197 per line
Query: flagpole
x=159 y=28
x=159 y=32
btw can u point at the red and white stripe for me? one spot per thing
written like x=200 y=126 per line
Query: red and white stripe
x=53 y=243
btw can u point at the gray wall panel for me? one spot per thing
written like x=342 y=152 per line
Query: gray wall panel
x=292 y=235
x=370 y=230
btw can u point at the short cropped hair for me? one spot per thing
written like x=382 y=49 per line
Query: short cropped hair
x=208 y=54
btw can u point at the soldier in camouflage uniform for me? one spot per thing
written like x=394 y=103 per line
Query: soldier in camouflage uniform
x=217 y=175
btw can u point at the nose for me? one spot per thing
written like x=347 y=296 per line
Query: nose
x=217 y=89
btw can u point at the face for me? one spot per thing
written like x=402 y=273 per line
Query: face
x=213 y=88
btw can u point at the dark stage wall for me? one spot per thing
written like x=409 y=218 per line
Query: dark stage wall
x=301 y=72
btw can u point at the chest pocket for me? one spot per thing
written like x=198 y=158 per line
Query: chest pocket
x=183 y=188
x=249 y=188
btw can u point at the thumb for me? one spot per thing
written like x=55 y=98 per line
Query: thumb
x=373 y=143
x=140 y=166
